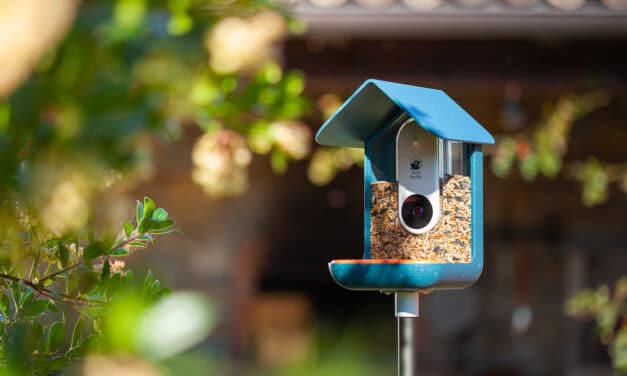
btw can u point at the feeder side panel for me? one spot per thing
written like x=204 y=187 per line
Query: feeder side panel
x=379 y=164
x=368 y=178
x=476 y=177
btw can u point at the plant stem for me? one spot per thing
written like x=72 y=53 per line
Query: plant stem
x=51 y=294
x=122 y=244
x=50 y=276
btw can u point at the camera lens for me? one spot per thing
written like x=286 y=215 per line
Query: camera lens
x=416 y=211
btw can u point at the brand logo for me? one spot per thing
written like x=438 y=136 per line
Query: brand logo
x=415 y=166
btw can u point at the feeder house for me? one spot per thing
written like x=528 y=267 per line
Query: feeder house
x=423 y=188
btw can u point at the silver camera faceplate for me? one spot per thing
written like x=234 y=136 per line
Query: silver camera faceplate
x=417 y=170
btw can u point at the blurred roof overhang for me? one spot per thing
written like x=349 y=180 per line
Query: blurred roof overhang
x=455 y=19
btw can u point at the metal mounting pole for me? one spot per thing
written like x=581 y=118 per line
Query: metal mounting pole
x=406 y=307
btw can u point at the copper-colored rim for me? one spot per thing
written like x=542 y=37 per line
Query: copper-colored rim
x=378 y=261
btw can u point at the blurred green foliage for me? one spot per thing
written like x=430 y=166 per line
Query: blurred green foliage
x=68 y=296
x=129 y=67
x=609 y=311
x=80 y=123
x=543 y=148
x=352 y=353
x=327 y=162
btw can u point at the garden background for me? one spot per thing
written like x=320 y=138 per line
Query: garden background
x=209 y=108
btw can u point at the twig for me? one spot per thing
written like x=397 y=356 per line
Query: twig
x=52 y=294
x=121 y=245
x=10 y=277
x=50 y=276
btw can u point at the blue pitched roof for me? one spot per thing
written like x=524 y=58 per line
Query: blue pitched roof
x=377 y=102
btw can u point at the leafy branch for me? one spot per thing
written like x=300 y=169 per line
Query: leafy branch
x=85 y=276
x=543 y=150
x=51 y=294
x=610 y=313
x=150 y=221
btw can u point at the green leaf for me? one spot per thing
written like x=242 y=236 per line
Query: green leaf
x=160 y=215
x=106 y=270
x=549 y=164
x=128 y=228
x=618 y=350
x=77 y=332
x=166 y=231
x=73 y=353
x=161 y=225
x=26 y=297
x=113 y=284
x=138 y=244
x=64 y=255
x=144 y=225
x=119 y=252
x=5 y=116
x=36 y=331
x=140 y=211
x=5 y=305
x=128 y=278
x=149 y=207
x=150 y=277
x=529 y=168
x=57 y=364
x=52 y=306
x=56 y=335
x=34 y=308
x=72 y=282
x=94 y=250
x=278 y=161
x=180 y=24
x=87 y=280
x=15 y=291
x=90 y=342
x=129 y=15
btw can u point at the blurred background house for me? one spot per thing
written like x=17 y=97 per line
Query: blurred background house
x=263 y=257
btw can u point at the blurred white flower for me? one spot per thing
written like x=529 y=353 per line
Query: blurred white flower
x=374 y=3
x=327 y=3
x=567 y=5
x=236 y=44
x=619 y=5
x=178 y=322
x=293 y=137
x=27 y=30
x=221 y=162
x=328 y=104
x=117 y=265
x=422 y=4
x=269 y=24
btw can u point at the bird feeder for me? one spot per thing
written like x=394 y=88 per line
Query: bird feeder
x=423 y=196
x=416 y=140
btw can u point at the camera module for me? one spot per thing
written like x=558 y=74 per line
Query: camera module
x=417 y=211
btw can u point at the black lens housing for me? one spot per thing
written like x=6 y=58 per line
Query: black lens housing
x=417 y=211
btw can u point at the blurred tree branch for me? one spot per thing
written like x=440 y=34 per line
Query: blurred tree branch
x=610 y=314
x=543 y=148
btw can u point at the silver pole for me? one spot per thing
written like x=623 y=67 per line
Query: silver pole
x=406 y=310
